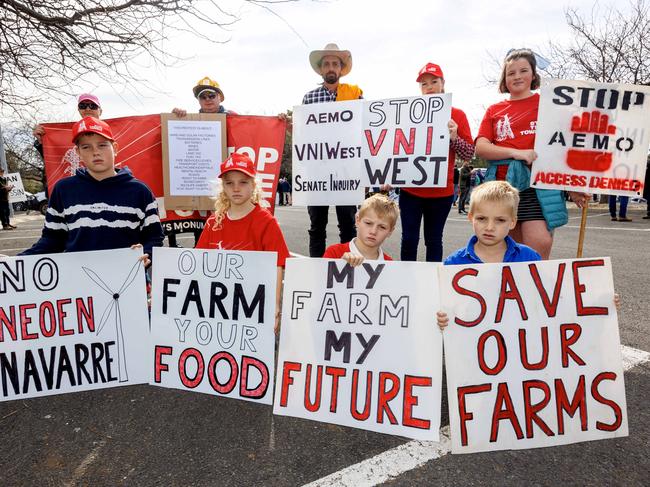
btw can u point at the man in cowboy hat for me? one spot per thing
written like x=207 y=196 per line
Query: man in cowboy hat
x=210 y=97
x=331 y=63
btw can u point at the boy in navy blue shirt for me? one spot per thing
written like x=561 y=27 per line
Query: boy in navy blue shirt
x=100 y=207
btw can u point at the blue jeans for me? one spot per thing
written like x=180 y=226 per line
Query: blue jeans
x=622 y=210
x=434 y=211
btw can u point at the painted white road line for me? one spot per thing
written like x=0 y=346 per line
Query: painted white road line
x=389 y=464
x=396 y=461
x=17 y=237
x=633 y=357
x=615 y=229
x=588 y=215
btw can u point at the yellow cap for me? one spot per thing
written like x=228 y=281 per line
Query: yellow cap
x=209 y=84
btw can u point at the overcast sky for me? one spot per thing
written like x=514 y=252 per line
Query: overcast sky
x=264 y=68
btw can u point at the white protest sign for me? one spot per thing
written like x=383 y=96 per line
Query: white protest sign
x=592 y=137
x=406 y=141
x=532 y=354
x=17 y=193
x=359 y=346
x=194 y=156
x=212 y=318
x=327 y=153
x=72 y=322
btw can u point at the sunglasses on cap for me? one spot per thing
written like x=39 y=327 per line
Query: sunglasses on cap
x=209 y=96
x=87 y=106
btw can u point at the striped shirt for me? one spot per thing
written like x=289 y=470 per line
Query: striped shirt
x=86 y=214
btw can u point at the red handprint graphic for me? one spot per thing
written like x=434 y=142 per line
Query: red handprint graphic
x=590 y=160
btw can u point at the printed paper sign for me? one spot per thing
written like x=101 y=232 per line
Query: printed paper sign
x=327 y=153
x=17 y=193
x=194 y=156
x=140 y=148
x=406 y=141
x=532 y=354
x=212 y=318
x=592 y=137
x=359 y=346
x=72 y=322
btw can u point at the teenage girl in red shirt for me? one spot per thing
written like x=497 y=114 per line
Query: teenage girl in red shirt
x=508 y=132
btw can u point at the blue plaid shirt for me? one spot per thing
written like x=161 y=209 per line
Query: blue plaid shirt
x=319 y=95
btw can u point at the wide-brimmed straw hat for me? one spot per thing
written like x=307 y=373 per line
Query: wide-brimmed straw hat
x=331 y=49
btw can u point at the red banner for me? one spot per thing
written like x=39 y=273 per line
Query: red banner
x=139 y=148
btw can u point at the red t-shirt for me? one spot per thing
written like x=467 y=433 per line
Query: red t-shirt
x=511 y=123
x=336 y=251
x=259 y=230
x=464 y=132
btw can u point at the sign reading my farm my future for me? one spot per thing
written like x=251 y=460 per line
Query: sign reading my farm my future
x=592 y=137
x=212 y=317
x=71 y=322
x=532 y=354
x=359 y=347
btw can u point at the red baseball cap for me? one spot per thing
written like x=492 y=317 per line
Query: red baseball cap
x=88 y=97
x=432 y=69
x=90 y=125
x=238 y=162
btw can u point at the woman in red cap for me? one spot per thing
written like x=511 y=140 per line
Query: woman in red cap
x=239 y=222
x=433 y=204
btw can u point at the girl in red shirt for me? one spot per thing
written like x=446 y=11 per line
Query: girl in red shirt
x=240 y=223
x=508 y=132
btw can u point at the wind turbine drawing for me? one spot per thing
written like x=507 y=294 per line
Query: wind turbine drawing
x=108 y=312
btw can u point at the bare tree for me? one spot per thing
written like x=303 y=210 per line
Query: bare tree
x=21 y=156
x=610 y=45
x=47 y=45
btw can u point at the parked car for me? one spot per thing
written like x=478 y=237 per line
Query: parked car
x=41 y=202
x=26 y=205
x=34 y=202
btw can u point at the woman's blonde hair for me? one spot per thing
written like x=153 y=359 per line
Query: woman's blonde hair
x=222 y=203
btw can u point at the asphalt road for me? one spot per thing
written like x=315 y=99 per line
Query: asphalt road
x=142 y=435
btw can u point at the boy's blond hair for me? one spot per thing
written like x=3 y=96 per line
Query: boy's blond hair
x=495 y=192
x=383 y=206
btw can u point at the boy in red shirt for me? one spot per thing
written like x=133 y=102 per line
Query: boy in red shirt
x=375 y=222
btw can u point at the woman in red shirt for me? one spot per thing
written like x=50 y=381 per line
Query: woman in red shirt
x=433 y=204
x=506 y=139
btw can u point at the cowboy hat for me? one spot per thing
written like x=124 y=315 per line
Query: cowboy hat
x=331 y=49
